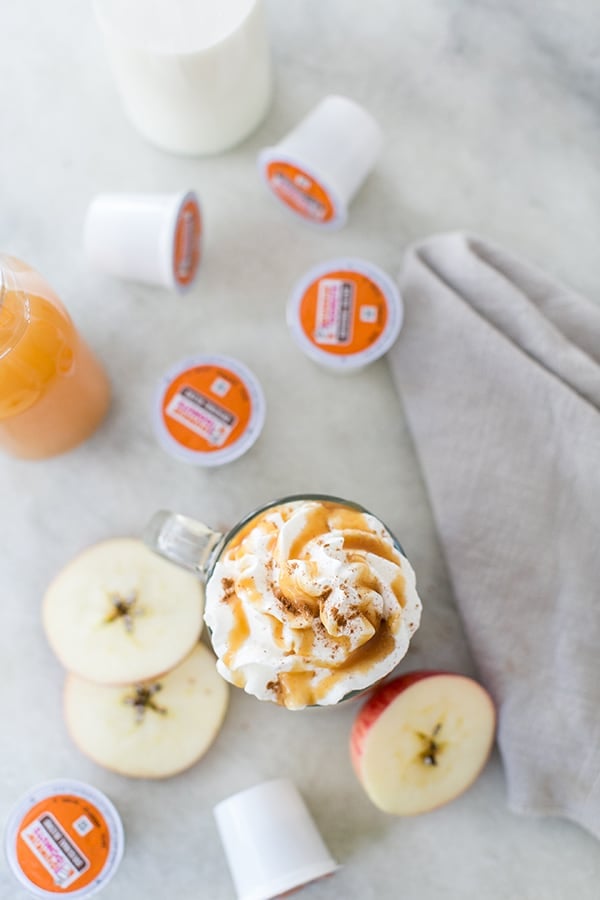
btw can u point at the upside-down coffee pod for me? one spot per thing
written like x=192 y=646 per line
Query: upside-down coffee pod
x=64 y=838
x=318 y=167
x=271 y=843
x=208 y=410
x=345 y=313
x=151 y=238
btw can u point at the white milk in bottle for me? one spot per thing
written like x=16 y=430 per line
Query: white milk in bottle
x=194 y=75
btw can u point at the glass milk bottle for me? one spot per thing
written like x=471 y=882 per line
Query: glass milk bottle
x=53 y=391
x=195 y=76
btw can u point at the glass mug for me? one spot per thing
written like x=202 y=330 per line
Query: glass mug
x=309 y=599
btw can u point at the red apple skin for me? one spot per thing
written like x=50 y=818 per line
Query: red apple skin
x=379 y=702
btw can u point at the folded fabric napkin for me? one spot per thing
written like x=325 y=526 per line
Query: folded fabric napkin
x=498 y=367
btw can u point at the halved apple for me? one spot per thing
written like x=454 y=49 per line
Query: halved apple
x=421 y=740
x=119 y=613
x=153 y=729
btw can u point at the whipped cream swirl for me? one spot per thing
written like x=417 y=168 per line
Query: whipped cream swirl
x=310 y=601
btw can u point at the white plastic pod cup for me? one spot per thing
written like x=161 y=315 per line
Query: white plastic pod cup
x=271 y=842
x=316 y=169
x=151 y=238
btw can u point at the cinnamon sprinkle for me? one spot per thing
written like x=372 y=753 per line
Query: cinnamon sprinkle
x=228 y=589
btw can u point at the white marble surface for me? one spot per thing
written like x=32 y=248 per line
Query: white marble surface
x=491 y=124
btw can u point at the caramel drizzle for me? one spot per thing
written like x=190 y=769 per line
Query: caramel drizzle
x=240 y=631
x=380 y=646
x=293 y=689
x=399 y=590
x=317 y=524
x=276 y=630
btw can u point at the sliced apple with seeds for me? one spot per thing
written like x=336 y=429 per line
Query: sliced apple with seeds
x=119 y=613
x=421 y=740
x=153 y=729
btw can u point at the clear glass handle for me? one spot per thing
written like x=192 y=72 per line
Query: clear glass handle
x=183 y=541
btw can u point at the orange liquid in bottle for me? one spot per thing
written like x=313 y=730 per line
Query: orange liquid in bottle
x=53 y=391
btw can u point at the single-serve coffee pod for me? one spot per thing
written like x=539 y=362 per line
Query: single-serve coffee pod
x=316 y=170
x=271 y=842
x=208 y=410
x=345 y=313
x=64 y=837
x=152 y=238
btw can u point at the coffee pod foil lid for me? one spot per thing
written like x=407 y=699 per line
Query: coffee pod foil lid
x=345 y=313
x=208 y=410
x=64 y=838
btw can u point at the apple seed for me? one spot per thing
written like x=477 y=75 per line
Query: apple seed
x=124 y=608
x=432 y=747
x=143 y=700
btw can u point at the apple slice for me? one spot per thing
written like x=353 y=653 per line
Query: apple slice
x=421 y=740
x=153 y=729
x=118 y=613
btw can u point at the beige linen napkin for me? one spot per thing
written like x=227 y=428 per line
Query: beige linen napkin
x=498 y=367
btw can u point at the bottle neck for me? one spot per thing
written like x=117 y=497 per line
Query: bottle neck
x=14 y=306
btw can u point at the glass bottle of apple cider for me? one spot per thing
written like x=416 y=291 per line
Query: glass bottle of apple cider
x=53 y=391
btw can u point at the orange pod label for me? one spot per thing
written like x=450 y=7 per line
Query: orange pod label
x=207 y=408
x=300 y=192
x=63 y=843
x=343 y=313
x=186 y=246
